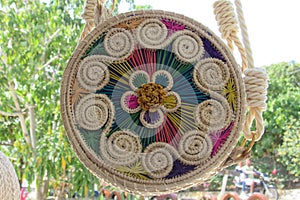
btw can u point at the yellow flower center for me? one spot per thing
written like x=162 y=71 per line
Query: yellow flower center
x=151 y=96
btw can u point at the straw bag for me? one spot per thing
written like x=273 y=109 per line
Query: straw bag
x=9 y=184
x=153 y=102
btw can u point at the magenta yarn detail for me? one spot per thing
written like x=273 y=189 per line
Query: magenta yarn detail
x=132 y=101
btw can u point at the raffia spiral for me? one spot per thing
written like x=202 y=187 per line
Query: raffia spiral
x=123 y=148
x=213 y=114
x=195 y=147
x=118 y=43
x=188 y=47
x=157 y=160
x=93 y=74
x=151 y=33
x=211 y=74
x=92 y=112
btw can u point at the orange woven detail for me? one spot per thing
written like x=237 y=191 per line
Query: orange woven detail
x=151 y=96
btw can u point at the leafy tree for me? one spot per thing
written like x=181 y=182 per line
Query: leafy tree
x=279 y=147
x=36 y=40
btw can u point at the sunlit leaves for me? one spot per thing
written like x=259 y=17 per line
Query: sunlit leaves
x=281 y=138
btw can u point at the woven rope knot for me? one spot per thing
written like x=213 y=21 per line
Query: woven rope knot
x=101 y=13
x=94 y=14
x=256 y=83
x=225 y=18
x=89 y=10
x=228 y=27
x=151 y=96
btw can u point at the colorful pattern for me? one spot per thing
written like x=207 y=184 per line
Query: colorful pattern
x=152 y=101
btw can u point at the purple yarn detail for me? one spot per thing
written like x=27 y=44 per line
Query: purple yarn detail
x=179 y=169
x=211 y=50
x=132 y=101
x=172 y=26
x=219 y=138
x=151 y=117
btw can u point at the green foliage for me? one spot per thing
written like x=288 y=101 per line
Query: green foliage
x=36 y=40
x=279 y=148
x=290 y=148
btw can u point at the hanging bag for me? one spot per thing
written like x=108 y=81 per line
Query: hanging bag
x=153 y=101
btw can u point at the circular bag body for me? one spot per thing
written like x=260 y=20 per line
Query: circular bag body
x=152 y=102
x=9 y=184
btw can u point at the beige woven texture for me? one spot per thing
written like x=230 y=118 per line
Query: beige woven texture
x=106 y=166
x=133 y=34
x=256 y=79
x=9 y=184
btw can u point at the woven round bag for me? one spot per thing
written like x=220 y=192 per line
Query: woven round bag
x=9 y=184
x=152 y=102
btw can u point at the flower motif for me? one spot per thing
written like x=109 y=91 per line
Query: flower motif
x=151 y=97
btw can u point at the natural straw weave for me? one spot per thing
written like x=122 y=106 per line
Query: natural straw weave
x=9 y=184
x=152 y=102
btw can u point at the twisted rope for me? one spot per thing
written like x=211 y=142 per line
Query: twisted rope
x=88 y=16
x=94 y=14
x=256 y=79
x=256 y=84
x=244 y=32
x=228 y=27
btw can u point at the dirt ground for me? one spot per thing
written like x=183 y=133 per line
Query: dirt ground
x=289 y=194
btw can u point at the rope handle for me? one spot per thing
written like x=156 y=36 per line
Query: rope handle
x=95 y=13
x=255 y=79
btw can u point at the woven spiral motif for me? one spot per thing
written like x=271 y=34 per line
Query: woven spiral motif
x=93 y=73
x=152 y=102
x=211 y=74
x=195 y=147
x=91 y=112
x=188 y=47
x=118 y=42
x=157 y=160
x=213 y=114
x=9 y=184
x=151 y=33
x=121 y=148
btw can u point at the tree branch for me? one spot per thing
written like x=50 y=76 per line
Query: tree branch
x=52 y=37
x=9 y=114
x=21 y=116
x=50 y=61
x=6 y=144
x=3 y=113
x=32 y=126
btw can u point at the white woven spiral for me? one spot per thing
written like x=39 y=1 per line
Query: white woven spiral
x=119 y=43
x=188 y=47
x=211 y=74
x=152 y=33
x=93 y=73
x=195 y=147
x=158 y=159
x=123 y=148
x=213 y=114
x=92 y=112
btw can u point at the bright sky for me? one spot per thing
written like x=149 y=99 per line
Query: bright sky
x=273 y=25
